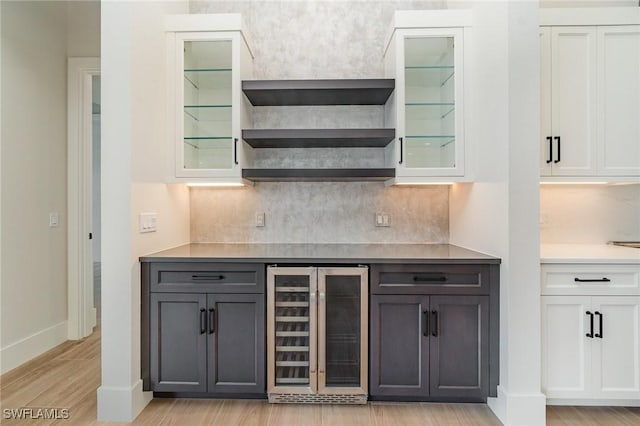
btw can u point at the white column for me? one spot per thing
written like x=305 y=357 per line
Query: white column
x=120 y=396
x=498 y=214
x=520 y=401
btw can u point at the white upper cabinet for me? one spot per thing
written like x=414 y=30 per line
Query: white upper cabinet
x=568 y=81
x=427 y=108
x=590 y=101
x=208 y=108
x=619 y=100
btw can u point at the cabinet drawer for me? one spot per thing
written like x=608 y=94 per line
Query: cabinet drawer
x=590 y=279
x=429 y=279
x=207 y=277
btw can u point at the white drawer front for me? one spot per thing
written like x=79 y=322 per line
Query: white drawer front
x=590 y=279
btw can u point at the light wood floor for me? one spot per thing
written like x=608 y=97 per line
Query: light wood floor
x=68 y=376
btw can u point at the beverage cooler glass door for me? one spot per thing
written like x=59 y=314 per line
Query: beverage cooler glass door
x=291 y=325
x=342 y=333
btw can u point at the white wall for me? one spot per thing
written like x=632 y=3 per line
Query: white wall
x=34 y=309
x=589 y=214
x=83 y=28
x=499 y=213
x=133 y=147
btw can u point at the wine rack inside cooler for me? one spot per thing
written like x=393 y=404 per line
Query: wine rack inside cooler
x=292 y=330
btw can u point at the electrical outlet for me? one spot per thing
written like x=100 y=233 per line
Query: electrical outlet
x=382 y=220
x=260 y=219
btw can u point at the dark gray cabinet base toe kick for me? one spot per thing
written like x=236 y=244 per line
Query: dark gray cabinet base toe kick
x=434 y=332
x=203 y=329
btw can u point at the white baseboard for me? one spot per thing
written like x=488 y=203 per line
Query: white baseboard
x=17 y=353
x=122 y=404
x=595 y=402
x=518 y=409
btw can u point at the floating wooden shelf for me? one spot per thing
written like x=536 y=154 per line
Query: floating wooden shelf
x=318 y=138
x=312 y=175
x=318 y=92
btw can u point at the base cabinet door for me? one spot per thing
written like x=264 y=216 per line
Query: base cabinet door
x=178 y=341
x=399 y=346
x=236 y=346
x=459 y=347
x=430 y=346
x=616 y=347
x=566 y=346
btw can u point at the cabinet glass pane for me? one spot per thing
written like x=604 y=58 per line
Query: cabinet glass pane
x=207 y=105
x=292 y=330
x=342 y=330
x=429 y=102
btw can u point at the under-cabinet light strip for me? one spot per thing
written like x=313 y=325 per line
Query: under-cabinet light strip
x=215 y=184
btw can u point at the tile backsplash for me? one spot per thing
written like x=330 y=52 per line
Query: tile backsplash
x=589 y=214
x=323 y=212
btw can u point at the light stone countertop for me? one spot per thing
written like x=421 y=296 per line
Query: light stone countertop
x=588 y=253
x=320 y=253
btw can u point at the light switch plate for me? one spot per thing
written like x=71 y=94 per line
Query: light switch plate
x=260 y=219
x=147 y=222
x=54 y=219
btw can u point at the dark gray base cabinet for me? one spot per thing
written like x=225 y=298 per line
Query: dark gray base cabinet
x=208 y=344
x=433 y=347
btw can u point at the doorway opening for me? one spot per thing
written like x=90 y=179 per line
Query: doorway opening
x=83 y=180
x=95 y=194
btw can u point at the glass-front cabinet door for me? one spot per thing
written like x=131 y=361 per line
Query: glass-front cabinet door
x=207 y=138
x=429 y=103
x=209 y=108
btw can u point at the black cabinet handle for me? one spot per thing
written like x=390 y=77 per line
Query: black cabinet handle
x=557 y=138
x=207 y=277
x=203 y=321
x=441 y=278
x=599 y=315
x=212 y=321
x=590 y=334
x=235 y=150
x=434 y=324
x=400 y=162
x=426 y=323
x=550 y=139
x=598 y=280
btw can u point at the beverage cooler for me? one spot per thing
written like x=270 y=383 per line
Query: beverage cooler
x=317 y=334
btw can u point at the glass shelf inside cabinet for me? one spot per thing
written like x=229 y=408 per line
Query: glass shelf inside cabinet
x=430 y=151
x=429 y=110
x=208 y=112
x=201 y=152
x=429 y=75
x=208 y=78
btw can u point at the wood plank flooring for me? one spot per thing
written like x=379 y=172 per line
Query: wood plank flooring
x=68 y=376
